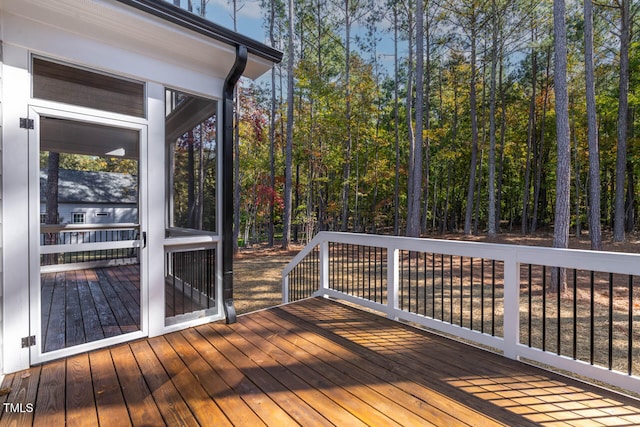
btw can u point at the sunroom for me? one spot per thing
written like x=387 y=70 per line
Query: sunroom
x=134 y=96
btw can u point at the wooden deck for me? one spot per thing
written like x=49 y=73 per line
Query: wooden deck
x=314 y=362
x=81 y=306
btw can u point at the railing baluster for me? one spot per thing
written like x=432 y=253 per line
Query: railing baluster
x=409 y=275
x=424 y=284
x=369 y=273
x=591 y=321
x=558 y=309
x=482 y=295
x=493 y=297
x=471 y=296
x=630 y=333
x=451 y=290
x=461 y=288
x=575 y=314
x=610 y=320
x=375 y=275
x=544 y=308
x=442 y=288
x=433 y=285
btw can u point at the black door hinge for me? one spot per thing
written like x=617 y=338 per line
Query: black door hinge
x=26 y=123
x=28 y=341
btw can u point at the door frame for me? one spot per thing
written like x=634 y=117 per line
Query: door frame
x=35 y=300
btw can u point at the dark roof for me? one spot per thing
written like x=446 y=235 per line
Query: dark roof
x=92 y=187
x=188 y=20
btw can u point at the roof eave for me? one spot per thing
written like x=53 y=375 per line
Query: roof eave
x=188 y=20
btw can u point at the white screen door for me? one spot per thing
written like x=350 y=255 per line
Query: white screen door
x=87 y=238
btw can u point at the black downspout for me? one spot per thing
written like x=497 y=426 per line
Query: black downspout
x=227 y=182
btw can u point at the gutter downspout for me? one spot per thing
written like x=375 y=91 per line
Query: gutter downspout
x=227 y=182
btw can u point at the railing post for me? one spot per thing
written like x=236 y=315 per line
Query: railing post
x=324 y=267
x=285 y=289
x=511 y=305
x=392 y=282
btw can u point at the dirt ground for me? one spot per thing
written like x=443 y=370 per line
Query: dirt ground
x=258 y=270
x=257 y=275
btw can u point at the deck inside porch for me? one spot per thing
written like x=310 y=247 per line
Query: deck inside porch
x=311 y=362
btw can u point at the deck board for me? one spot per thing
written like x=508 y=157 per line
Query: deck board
x=80 y=404
x=232 y=404
x=314 y=362
x=110 y=403
x=81 y=306
x=140 y=403
x=90 y=319
x=306 y=382
x=51 y=395
x=429 y=408
x=173 y=408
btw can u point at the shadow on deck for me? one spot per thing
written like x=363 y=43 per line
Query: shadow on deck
x=314 y=362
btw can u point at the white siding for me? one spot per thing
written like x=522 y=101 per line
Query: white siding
x=1 y=218
x=97 y=214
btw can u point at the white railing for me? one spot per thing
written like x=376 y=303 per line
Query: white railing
x=487 y=294
x=74 y=246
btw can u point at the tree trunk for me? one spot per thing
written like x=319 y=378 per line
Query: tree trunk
x=396 y=123
x=492 y=122
x=503 y=129
x=427 y=122
x=286 y=232
x=409 y=112
x=595 y=232
x=623 y=110
x=272 y=133
x=576 y=173
x=540 y=149
x=415 y=168
x=563 y=169
x=346 y=174
x=530 y=133
x=476 y=217
x=474 y=134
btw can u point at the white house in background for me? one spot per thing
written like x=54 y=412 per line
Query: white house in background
x=89 y=197
x=137 y=79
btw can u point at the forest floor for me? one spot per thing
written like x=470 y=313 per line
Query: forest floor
x=258 y=270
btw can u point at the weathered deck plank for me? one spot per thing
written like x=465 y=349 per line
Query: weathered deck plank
x=83 y=306
x=312 y=362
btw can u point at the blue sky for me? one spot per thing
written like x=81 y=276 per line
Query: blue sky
x=250 y=20
x=251 y=23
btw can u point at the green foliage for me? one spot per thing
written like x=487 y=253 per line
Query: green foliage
x=320 y=119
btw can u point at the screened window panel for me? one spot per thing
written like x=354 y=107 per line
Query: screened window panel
x=191 y=128
x=70 y=85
